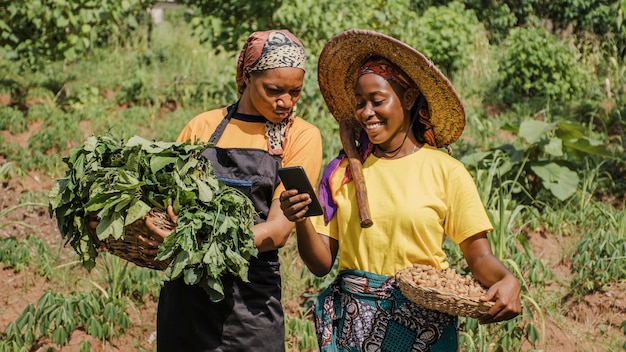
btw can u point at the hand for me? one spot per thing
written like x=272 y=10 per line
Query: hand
x=294 y=205
x=506 y=294
x=156 y=235
x=92 y=224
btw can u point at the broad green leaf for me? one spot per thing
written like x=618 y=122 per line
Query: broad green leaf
x=474 y=159
x=554 y=147
x=559 y=180
x=192 y=276
x=136 y=211
x=112 y=225
x=55 y=196
x=176 y=267
x=205 y=192
x=570 y=130
x=214 y=288
x=123 y=203
x=586 y=146
x=532 y=130
x=159 y=162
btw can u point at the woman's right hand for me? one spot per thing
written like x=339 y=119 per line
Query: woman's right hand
x=294 y=205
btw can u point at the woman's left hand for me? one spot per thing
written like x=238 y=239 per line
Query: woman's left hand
x=504 y=289
x=294 y=205
x=154 y=237
x=506 y=296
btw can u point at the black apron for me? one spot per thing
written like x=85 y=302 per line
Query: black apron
x=250 y=317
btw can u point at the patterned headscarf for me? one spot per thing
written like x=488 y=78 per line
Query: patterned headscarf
x=267 y=50
x=263 y=51
x=387 y=70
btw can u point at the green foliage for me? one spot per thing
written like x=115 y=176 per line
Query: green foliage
x=593 y=16
x=9 y=169
x=579 y=16
x=537 y=64
x=225 y=24
x=21 y=254
x=447 y=35
x=121 y=181
x=56 y=317
x=124 y=280
x=222 y=23
x=59 y=129
x=37 y=32
x=498 y=16
x=547 y=160
x=81 y=98
x=330 y=17
x=600 y=257
x=303 y=332
x=11 y=119
x=509 y=245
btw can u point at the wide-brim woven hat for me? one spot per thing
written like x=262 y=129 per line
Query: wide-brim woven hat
x=339 y=69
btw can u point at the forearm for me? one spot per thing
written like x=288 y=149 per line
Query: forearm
x=314 y=248
x=488 y=269
x=485 y=267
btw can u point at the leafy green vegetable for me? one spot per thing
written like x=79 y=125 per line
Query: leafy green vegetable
x=121 y=182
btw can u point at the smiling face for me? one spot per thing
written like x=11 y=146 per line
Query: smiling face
x=272 y=93
x=383 y=110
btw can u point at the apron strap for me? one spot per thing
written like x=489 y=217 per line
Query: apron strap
x=222 y=126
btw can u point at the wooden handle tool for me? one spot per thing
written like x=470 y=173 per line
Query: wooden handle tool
x=346 y=132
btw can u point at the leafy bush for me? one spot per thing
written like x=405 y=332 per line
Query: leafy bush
x=59 y=131
x=11 y=119
x=222 y=23
x=590 y=15
x=37 y=32
x=546 y=158
x=537 y=64
x=600 y=257
x=381 y=16
x=447 y=35
x=56 y=317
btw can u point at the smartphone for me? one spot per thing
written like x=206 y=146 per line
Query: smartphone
x=294 y=177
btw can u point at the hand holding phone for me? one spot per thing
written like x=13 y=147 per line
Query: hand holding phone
x=294 y=177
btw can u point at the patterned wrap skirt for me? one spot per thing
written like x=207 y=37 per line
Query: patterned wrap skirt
x=362 y=311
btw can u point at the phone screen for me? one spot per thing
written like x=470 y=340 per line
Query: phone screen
x=294 y=177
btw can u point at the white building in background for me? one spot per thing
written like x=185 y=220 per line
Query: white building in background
x=159 y=7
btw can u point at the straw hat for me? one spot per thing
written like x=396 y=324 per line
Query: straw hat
x=338 y=71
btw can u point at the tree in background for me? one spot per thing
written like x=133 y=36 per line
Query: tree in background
x=38 y=32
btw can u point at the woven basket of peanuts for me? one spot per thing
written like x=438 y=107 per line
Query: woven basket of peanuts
x=443 y=290
x=129 y=247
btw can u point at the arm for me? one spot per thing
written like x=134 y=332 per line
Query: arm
x=503 y=286
x=270 y=235
x=317 y=251
x=273 y=233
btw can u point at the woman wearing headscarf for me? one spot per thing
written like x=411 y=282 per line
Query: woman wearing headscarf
x=252 y=138
x=390 y=198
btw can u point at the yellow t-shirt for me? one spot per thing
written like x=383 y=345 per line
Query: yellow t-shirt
x=303 y=145
x=414 y=202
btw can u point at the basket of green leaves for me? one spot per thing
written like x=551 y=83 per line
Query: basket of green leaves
x=125 y=182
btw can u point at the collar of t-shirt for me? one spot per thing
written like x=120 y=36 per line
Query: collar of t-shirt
x=249 y=118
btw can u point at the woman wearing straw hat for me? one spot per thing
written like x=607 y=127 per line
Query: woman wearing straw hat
x=390 y=199
x=252 y=139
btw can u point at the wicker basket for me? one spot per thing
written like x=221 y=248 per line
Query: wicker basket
x=130 y=248
x=431 y=298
